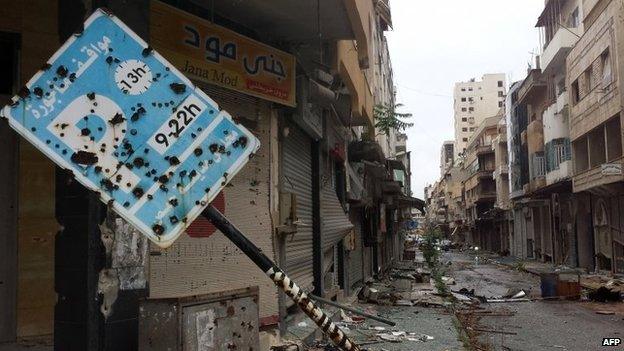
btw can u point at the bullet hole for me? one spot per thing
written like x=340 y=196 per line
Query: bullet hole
x=154 y=104
x=92 y=111
x=203 y=203
x=85 y=131
x=56 y=146
x=225 y=174
x=200 y=164
x=159 y=104
x=109 y=60
x=48 y=141
x=138 y=192
x=163 y=179
x=193 y=135
x=211 y=112
x=228 y=153
x=118 y=178
x=64 y=152
x=133 y=132
x=91 y=95
x=98 y=169
x=38 y=92
x=62 y=135
x=118 y=118
x=221 y=149
x=24 y=92
x=153 y=171
x=166 y=104
x=138 y=162
x=146 y=150
x=126 y=204
x=178 y=88
x=128 y=185
x=150 y=196
x=207 y=190
x=183 y=174
x=173 y=220
x=198 y=152
x=135 y=117
x=199 y=129
x=210 y=162
x=33 y=129
x=225 y=132
x=147 y=51
x=213 y=148
x=158 y=229
x=107 y=170
x=170 y=174
x=167 y=69
x=100 y=129
x=84 y=158
x=236 y=144
x=107 y=184
x=243 y=141
x=46 y=66
x=173 y=202
x=192 y=174
x=163 y=188
x=61 y=71
x=129 y=165
x=174 y=161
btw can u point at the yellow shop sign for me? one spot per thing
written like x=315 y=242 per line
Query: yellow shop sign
x=206 y=52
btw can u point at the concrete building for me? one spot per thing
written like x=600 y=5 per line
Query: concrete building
x=51 y=246
x=594 y=82
x=480 y=186
x=474 y=101
x=447 y=156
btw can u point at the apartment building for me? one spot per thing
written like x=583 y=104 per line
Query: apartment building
x=479 y=185
x=474 y=101
x=594 y=82
x=447 y=155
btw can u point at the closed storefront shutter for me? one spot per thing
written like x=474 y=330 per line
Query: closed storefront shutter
x=335 y=223
x=297 y=179
x=204 y=261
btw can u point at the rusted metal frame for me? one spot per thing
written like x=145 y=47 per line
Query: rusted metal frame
x=280 y=279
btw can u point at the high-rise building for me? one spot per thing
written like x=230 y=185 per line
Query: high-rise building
x=474 y=102
x=447 y=155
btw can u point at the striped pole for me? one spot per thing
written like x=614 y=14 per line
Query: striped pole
x=280 y=279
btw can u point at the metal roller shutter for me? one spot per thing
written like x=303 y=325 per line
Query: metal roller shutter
x=297 y=179
x=334 y=222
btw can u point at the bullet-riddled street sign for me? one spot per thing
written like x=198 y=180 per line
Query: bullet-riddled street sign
x=132 y=127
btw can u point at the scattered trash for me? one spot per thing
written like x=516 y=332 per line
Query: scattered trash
x=604 y=294
x=302 y=325
x=401 y=336
x=608 y=313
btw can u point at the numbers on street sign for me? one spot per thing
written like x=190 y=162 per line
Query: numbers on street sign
x=131 y=127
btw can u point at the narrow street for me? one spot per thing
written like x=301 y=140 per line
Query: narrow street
x=519 y=325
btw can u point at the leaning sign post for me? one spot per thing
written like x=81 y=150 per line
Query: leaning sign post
x=132 y=128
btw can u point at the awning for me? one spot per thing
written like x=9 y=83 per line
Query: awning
x=394 y=164
x=365 y=150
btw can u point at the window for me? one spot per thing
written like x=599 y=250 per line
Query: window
x=469 y=89
x=589 y=79
x=500 y=104
x=464 y=129
x=463 y=99
x=470 y=109
x=500 y=93
x=470 y=99
x=464 y=119
x=576 y=97
x=472 y=129
x=465 y=139
x=463 y=109
x=500 y=83
x=463 y=89
x=605 y=63
x=574 y=19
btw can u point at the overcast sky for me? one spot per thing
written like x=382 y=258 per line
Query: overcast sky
x=437 y=43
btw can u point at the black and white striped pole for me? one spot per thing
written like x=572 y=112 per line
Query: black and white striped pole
x=280 y=279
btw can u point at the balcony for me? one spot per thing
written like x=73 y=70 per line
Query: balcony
x=558 y=48
x=533 y=86
x=484 y=149
x=347 y=66
x=599 y=177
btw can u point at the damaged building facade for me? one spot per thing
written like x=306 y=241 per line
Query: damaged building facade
x=325 y=196
x=559 y=144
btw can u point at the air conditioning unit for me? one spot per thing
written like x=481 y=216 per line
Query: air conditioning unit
x=312 y=97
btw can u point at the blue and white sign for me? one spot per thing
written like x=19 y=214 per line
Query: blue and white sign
x=131 y=127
